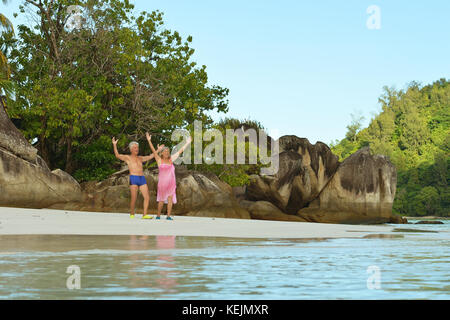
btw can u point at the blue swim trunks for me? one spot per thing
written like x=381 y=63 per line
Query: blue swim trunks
x=137 y=180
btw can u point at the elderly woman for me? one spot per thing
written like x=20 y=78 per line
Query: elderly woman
x=166 y=192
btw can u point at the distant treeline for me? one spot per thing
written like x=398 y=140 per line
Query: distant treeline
x=413 y=129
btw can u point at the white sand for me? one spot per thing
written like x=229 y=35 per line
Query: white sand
x=45 y=221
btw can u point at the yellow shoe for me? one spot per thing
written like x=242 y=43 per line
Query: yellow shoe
x=147 y=217
x=132 y=216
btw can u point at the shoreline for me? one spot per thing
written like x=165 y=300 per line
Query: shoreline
x=427 y=218
x=21 y=221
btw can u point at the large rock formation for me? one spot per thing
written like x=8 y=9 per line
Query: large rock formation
x=25 y=179
x=312 y=185
x=362 y=190
x=12 y=139
x=304 y=169
x=198 y=194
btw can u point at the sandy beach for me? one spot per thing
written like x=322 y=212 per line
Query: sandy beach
x=45 y=221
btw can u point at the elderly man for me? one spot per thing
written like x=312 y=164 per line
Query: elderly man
x=137 y=178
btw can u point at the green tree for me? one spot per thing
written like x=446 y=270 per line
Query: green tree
x=354 y=127
x=427 y=201
x=235 y=174
x=414 y=130
x=112 y=75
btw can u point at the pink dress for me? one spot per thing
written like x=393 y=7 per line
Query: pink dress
x=166 y=183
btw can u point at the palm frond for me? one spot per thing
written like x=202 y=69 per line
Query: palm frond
x=5 y=23
x=5 y=71
x=7 y=88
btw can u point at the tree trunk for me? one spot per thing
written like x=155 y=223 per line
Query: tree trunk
x=43 y=150
x=3 y=103
x=69 y=161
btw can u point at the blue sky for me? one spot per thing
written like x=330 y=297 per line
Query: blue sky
x=302 y=67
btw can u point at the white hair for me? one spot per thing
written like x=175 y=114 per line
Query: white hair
x=132 y=143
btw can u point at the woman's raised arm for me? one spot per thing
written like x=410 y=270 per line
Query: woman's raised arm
x=177 y=154
x=155 y=153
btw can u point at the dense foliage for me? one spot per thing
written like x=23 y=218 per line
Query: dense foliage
x=234 y=174
x=84 y=75
x=413 y=129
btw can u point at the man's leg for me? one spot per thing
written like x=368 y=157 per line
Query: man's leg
x=144 y=191
x=134 y=191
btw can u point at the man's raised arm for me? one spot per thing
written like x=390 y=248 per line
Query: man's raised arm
x=116 y=153
x=147 y=158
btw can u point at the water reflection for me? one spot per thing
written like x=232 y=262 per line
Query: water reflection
x=148 y=270
x=166 y=264
x=413 y=265
x=137 y=245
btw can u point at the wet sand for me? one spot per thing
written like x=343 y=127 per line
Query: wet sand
x=18 y=221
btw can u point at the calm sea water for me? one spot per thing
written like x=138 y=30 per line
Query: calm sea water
x=401 y=265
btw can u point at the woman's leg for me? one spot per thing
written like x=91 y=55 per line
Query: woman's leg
x=169 y=206
x=160 y=206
